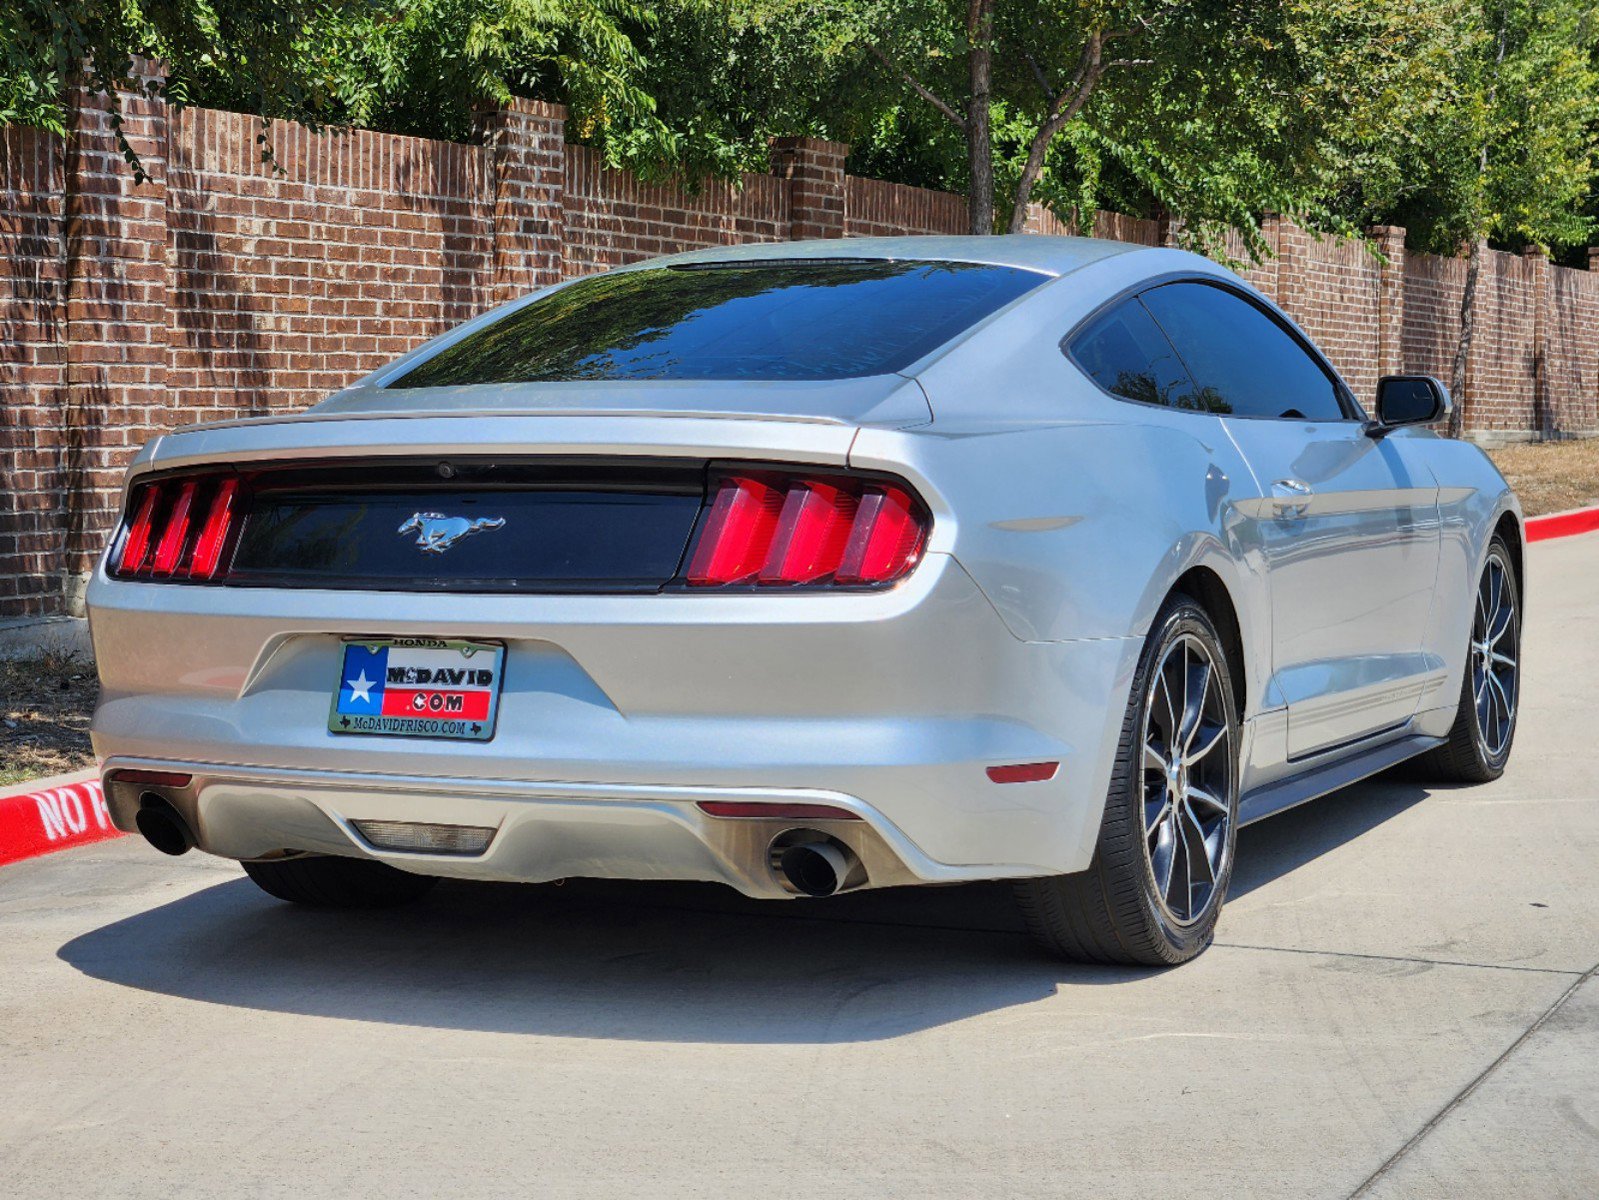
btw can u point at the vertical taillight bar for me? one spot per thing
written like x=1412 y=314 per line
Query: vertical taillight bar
x=170 y=550
x=214 y=534
x=136 y=547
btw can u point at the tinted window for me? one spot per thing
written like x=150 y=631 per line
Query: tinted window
x=822 y=319
x=1125 y=352
x=1241 y=359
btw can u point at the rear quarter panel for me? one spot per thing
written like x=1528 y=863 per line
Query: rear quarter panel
x=1473 y=498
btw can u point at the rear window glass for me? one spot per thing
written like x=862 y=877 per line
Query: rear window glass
x=777 y=320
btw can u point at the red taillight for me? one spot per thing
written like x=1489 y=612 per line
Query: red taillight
x=886 y=539
x=208 y=549
x=179 y=528
x=176 y=534
x=792 y=530
x=137 y=546
x=737 y=534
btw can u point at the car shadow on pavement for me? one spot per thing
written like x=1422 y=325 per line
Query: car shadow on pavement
x=633 y=961
x=1273 y=848
x=672 y=962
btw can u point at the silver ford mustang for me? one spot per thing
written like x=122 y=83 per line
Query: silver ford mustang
x=807 y=568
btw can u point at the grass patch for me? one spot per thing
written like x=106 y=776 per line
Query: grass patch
x=46 y=700
x=1552 y=476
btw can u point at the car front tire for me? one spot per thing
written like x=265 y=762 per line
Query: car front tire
x=1490 y=694
x=318 y=881
x=1164 y=858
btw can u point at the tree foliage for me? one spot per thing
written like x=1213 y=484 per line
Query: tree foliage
x=1461 y=119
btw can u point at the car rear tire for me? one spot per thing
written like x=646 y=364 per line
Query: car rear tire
x=1164 y=858
x=329 y=882
x=1490 y=694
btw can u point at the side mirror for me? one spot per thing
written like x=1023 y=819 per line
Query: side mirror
x=1408 y=400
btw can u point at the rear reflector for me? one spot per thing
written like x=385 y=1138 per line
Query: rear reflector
x=172 y=779
x=776 y=812
x=779 y=530
x=179 y=529
x=1024 y=772
x=415 y=837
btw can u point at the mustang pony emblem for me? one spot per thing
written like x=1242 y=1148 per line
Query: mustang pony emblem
x=436 y=533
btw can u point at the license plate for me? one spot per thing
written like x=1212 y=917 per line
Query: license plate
x=418 y=687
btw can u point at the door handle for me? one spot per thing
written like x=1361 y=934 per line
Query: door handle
x=1291 y=497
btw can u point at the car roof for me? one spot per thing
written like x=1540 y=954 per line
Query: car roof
x=1029 y=251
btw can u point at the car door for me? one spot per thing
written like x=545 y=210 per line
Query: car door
x=1346 y=524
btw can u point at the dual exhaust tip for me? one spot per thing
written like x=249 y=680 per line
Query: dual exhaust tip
x=809 y=863
x=162 y=826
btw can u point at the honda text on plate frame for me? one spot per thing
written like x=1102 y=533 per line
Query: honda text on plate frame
x=809 y=568
x=418 y=687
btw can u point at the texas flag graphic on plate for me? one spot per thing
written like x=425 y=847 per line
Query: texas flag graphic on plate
x=418 y=687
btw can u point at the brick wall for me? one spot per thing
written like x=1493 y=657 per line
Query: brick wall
x=876 y=208
x=1571 y=358
x=612 y=219
x=33 y=508
x=285 y=286
x=225 y=287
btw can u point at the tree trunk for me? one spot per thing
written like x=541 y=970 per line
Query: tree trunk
x=1062 y=109
x=979 y=143
x=1468 y=330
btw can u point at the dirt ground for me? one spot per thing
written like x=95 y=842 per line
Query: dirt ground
x=46 y=700
x=1552 y=476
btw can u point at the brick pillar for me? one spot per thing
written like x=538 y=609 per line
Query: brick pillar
x=528 y=144
x=1292 y=244
x=1593 y=258
x=1545 y=420
x=815 y=173
x=116 y=316
x=1390 y=243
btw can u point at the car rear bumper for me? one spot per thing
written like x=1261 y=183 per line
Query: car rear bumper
x=619 y=715
x=542 y=831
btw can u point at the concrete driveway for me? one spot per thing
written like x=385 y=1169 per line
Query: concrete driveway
x=1401 y=1002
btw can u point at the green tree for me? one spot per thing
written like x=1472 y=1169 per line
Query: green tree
x=422 y=66
x=1512 y=160
x=1210 y=110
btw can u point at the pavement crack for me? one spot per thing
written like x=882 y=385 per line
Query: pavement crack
x=1466 y=1092
x=1404 y=958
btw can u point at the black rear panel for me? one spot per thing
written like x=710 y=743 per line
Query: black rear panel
x=468 y=526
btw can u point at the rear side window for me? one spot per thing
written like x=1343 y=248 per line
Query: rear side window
x=773 y=320
x=1124 y=351
x=1242 y=360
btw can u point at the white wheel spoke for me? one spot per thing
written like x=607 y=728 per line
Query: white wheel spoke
x=1201 y=796
x=1152 y=824
x=1213 y=739
x=1196 y=834
x=1161 y=857
x=1193 y=703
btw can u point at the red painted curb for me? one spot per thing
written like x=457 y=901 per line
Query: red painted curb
x=72 y=813
x=1564 y=524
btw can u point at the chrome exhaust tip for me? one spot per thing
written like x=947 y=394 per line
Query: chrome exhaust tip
x=162 y=827
x=808 y=863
